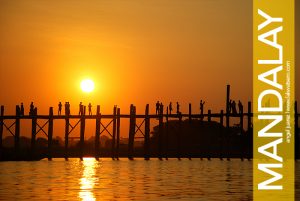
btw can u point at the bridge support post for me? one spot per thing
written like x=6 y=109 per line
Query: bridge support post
x=209 y=116
x=249 y=132
x=50 y=133
x=147 y=134
x=228 y=121
x=82 y=130
x=161 y=132
x=167 y=136
x=179 y=137
x=17 y=131
x=296 y=132
x=97 y=133
x=118 y=132
x=190 y=113
x=1 y=128
x=131 y=132
x=242 y=133
x=67 y=126
x=221 y=134
x=113 y=151
x=33 y=133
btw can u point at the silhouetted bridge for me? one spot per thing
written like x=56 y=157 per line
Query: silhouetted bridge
x=113 y=129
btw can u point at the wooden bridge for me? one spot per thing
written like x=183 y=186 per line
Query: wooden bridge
x=114 y=125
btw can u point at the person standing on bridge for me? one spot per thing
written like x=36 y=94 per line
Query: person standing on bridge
x=31 y=111
x=170 y=107
x=59 y=108
x=240 y=105
x=202 y=109
x=177 y=108
x=67 y=109
x=22 y=109
x=157 y=107
x=233 y=107
x=229 y=106
x=161 y=108
x=90 y=108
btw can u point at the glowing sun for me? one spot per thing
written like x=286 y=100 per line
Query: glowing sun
x=87 y=85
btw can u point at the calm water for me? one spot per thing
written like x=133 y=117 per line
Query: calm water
x=126 y=180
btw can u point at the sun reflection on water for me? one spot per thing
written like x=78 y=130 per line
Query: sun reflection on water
x=88 y=179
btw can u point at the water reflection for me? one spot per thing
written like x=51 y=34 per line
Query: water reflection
x=88 y=179
x=126 y=180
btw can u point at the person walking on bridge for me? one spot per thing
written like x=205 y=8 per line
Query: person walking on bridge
x=59 y=108
x=240 y=105
x=170 y=108
x=177 y=108
x=202 y=109
x=157 y=107
x=90 y=108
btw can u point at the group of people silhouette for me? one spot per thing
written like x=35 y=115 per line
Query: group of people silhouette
x=232 y=107
x=159 y=107
x=21 y=110
x=68 y=108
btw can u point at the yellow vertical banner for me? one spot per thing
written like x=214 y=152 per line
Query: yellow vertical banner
x=273 y=97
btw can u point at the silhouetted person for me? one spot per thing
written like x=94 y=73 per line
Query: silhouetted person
x=177 y=108
x=90 y=109
x=202 y=109
x=59 y=108
x=67 y=108
x=240 y=105
x=31 y=112
x=229 y=106
x=157 y=107
x=161 y=108
x=233 y=107
x=22 y=109
x=18 y=110
x=80 y=108
x=170 y=107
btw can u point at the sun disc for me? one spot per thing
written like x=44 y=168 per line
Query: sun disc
x=87 y=85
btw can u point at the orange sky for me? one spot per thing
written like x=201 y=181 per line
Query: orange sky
x=135 y=51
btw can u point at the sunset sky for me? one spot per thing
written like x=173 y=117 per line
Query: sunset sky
x=135 y=51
